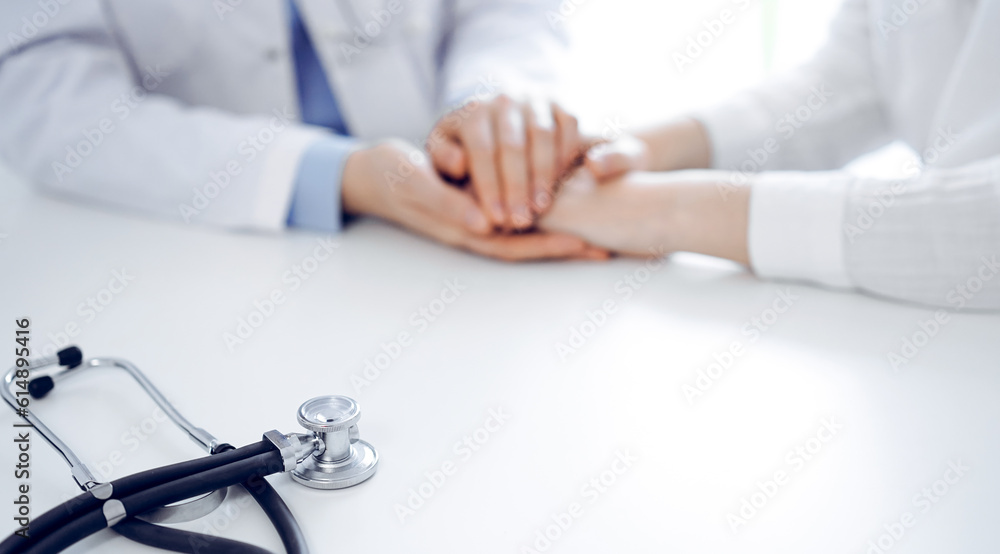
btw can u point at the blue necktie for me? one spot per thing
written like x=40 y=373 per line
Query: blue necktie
x=316 y=99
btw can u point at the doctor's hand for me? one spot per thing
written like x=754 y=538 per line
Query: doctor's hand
x=512 y=152
x=395 y=181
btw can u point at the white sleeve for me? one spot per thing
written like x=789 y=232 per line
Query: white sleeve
x=933 y=239
x=77 y=120
x=512 y=46
x=816 y=117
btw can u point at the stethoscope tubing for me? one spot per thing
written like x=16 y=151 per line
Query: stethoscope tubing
x=85 y=514
x=287 y=527
x=188 y=542
x=83 y=525
x=177 y=540
x=61 y=515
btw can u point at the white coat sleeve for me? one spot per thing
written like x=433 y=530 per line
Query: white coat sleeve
x=932 y=239
x=511 y=46
x=816 y=117
x=78 y=121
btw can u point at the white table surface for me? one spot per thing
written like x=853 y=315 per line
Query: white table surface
x=494 y=348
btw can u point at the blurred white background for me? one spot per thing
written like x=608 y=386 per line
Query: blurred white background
x=623 y=64
x=623 y=71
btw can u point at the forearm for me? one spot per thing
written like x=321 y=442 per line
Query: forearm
x=710 y=217
x=655 y=213
x=681 y=144
x=148 y=152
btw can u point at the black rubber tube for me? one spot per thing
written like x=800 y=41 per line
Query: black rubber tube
x=66 y=512
x=160 y=495
x=201 y=483
x=277 y=511
x=177 y=540
x=292 y=537
x=188 y=542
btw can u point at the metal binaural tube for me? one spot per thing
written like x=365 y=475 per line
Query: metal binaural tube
x=202 y=437
x=81 y=473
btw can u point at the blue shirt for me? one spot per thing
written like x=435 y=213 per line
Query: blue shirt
x=316 y=198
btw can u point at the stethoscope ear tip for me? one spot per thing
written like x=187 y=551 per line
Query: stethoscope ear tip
x=70 y=357
x=41 y=386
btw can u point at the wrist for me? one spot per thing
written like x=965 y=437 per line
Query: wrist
x=707 y=218
x=355 y=185
x=682 y=144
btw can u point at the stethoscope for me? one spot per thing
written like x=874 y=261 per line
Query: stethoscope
x=330 y=456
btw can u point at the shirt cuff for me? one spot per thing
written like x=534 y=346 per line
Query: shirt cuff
x=316 y=198
x=796 y=227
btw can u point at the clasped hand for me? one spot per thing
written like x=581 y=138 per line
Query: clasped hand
x=509 y=156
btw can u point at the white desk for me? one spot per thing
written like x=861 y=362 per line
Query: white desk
x=494 y=348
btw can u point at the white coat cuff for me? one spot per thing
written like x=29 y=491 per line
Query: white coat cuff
x=796 y=226
x=277 y=179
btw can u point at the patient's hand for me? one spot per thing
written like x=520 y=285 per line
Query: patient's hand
x=610 y=159
x=628 y=214
x=651 y=214
x=677 y=145
x=395 y=181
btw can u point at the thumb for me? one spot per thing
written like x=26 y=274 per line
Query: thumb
x=449 y=159
x=457 y=207
x=612 y=159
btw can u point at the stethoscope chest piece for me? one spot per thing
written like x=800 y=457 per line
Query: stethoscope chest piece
x=346 y=460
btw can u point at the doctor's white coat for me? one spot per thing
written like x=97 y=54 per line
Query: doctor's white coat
x=188 y=108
